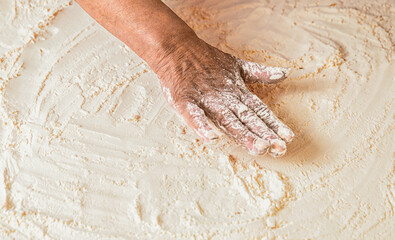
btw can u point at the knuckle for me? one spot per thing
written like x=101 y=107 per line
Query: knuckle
x=228 y=124
x=262 y=111
x=245 y=133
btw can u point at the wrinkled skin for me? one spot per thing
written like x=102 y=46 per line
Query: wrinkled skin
x=204 y=84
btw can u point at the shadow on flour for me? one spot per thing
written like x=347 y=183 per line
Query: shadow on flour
x=304 y=148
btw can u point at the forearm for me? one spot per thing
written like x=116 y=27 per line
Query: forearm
x=202 y=83
x=148 y=27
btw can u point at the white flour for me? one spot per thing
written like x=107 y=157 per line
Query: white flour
x=91 y=150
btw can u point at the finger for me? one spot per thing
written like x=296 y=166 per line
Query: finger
x=226 y=120
x=195 y=117
x=255 y=124
x=254 y=72
x=262 y=110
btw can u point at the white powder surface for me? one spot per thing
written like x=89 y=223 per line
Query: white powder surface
x=90 y=149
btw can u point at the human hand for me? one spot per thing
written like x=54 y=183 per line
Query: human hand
x=204 y=84
x=201 y=82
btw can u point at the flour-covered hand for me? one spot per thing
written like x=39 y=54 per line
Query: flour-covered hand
x=205 y=85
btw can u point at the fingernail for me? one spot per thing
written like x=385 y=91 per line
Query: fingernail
x=286 y=71
x=277 y=148
x=276 y=76
x=286 y=134
x=212 y=137
x=280 y=74
x=260 y=147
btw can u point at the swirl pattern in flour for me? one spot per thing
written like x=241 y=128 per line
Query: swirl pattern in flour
x=90 y=149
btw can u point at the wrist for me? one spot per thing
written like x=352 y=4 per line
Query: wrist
x=171 y=50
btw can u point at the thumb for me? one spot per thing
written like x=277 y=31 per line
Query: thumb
x=253 y=72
